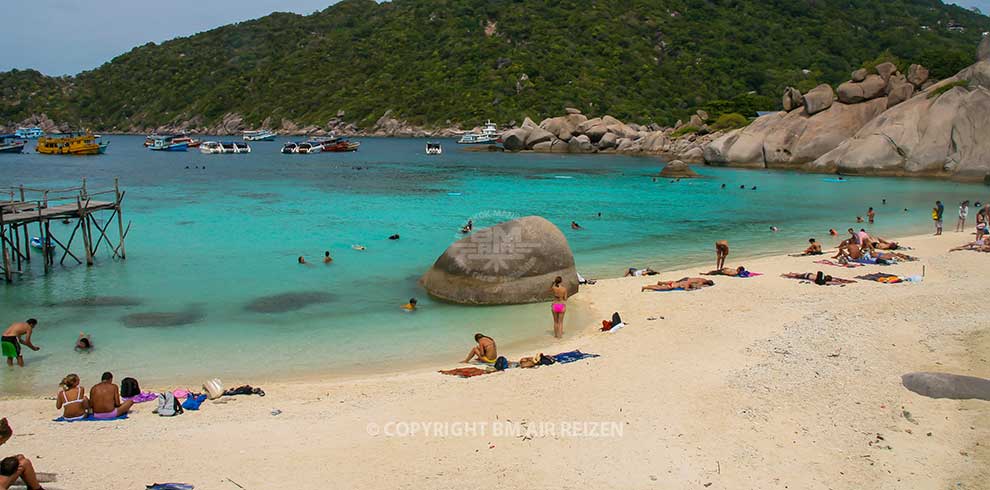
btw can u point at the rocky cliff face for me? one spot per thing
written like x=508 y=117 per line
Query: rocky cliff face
x=942 y=132
x=815 y=123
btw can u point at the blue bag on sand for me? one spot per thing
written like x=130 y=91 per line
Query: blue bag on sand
x=193 y=401
x=501 y=363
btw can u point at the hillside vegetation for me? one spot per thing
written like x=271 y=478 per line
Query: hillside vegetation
x=441 y=62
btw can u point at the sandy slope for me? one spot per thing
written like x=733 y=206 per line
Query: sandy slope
x=755 y=383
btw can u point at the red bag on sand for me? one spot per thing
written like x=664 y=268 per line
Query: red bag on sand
x=606 y=325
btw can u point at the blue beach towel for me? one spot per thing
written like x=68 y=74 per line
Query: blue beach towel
x=169 y=486
x=572 y=356
x=89 y=418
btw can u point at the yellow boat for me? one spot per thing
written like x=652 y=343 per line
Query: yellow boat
x=71 y=144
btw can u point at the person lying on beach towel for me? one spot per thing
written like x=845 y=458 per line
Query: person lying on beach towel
x=634 y=272
x=978 y=246
x=465 y=372
x=819 y=278
x=732 y=272
x=682 y=284
x=838 y=264
x=884 y=244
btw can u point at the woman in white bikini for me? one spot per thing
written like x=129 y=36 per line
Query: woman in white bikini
x=72 y=399
x=559 y=306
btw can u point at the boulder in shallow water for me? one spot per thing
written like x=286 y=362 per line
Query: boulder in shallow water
x=101 y=301
x=538 y=135
x=515 y=139
x=580 y=144
x=510 y=263
x=162 y=319
x=945 y=385
x=678 y=170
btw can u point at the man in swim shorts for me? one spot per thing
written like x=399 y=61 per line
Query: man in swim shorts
x=15 y=335
x=814 y=249
x=485 y=351
x=104 y=398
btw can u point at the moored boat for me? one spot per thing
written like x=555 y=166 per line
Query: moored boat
x=29 y=133
x=260 y=135
x=168 y=143
x=433 y=148
x=224 y=147
x=11 y=143
x=306 y=147
x=340 y=145
x=71 y=144
x=487 y=136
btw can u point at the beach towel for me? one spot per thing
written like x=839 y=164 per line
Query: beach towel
x=572 y=356
x=881 y=277
x=464 y=372
x=89 y=418
x=169 y=486
x=835 y=281
x=837 y=264
x=142 y=398
x=746 y=274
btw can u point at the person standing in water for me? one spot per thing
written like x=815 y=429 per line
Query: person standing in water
x=721 y=252
x=559 y=306
x=16 y=334
x=937 y=213
x=870 y=215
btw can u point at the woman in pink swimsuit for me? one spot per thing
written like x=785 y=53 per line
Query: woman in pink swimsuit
x=559 y=306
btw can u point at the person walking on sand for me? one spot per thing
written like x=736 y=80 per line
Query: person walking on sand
x=559 y=306
x=486 y=351
x=963 y=213
x=937 y=212
x=721 y=252
x=15 y=335
x=870 y=214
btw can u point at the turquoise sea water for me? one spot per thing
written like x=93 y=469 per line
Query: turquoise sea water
x=207 y=242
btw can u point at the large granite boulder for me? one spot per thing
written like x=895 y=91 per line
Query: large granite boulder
x=580 y=144
x=944 y=385
x=538 y=135
x=792 y=99
x=609 y=140
x=818 y=99
x=870 y=88
x=885 y=70
x=510 y=263
x=898 y=90
x=515 y=139
x=563 y=127
x=790 y=139
x=930 y=134
x=917 y=75
x=679 y=170
x=983 y=50
x=859 y=75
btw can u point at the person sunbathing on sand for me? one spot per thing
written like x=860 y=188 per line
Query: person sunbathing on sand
x=884 y=244
x=978 y=245
x=15 y=468
x=485 y=351
x=104 y=399
x=634 y=272
x=727 y=271
x=685 y=283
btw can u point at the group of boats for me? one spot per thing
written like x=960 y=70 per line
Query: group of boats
x=320 y=145
x=86 y=143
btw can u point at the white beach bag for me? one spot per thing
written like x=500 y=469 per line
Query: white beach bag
x=214 y=388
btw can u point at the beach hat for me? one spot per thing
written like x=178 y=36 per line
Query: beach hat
x=214 y=388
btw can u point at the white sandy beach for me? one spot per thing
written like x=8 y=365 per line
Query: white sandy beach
x=758 y=383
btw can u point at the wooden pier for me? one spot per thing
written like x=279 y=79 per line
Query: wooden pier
x=23 y=207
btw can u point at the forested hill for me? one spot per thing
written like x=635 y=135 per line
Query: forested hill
x=464 y=61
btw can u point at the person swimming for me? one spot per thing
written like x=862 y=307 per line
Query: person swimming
x=832 y=232
x=774 y=229
x=467 y=228
x=327 y=258
x=394 y=237
x=83 y=343
x=359 y=248
x=411 y=305
x=575 y=226
x=302 y=260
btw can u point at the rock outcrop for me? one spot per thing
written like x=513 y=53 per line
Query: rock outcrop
x=945 y=385
x=792 y=99
x=818 y=99
x=678 y=170
x=510 y=263
x=983 y=50
x=940 y=133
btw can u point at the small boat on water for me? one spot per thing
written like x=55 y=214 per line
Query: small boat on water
x=11 y=143
x=433 y=148
x=168 y=143
x=340 y=145
x=303 y=148
x=224 y=147
x=178 y=138
x=487 y=136
x=72 y=144
x=260 y=135
x=29 y=133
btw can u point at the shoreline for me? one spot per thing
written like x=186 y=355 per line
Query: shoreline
x=762 y=382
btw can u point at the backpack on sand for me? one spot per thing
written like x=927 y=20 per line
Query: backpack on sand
x=168 y=405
